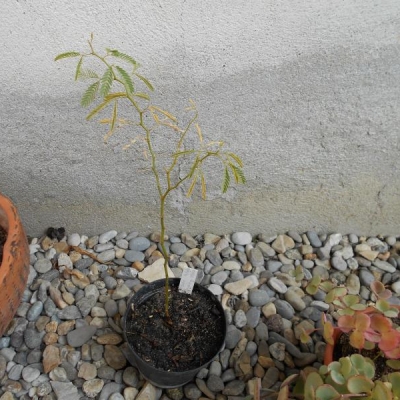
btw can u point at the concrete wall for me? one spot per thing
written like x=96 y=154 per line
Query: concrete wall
x=307 y=92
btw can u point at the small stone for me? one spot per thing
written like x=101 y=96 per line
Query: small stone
x=238 y=287
x=65 y=390
x=69 y=312
x=275 y=323
x=258 y=298
x=106 y=256
x=74 y=239
x=130 y=376
x=139 y=244
x=353 y=284
x=214 y=257
x=51 y=358
x=35 y=310
x=108 y=389
x=233 y=336
x=284 y=309
x=120 y=292
x=277 y=351
x=339 y=263
x=109 y=338
x=241 y=238
x=87 y=371
x=192 y=392
x=43 y=265
x=114 y=357
x=256 y=257
x=79 y=336
x=277 y=285
x=268 y=310
x=130 y=393
x=315 y=241
x=93 y=387
x=215 y=383
x=155 y=271
x=384 y=266
x=273 y=266
x=270 y=378
x=240 y=319
x=293 y=298
x=282 y=243
x=366 y=277
x=107 y=236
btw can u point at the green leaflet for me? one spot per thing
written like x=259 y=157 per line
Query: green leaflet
x=78 y=68
x=114 y=116
x=237 y=173
x=90 y=94
x=126 y=79
x=236 y=158
x=106 y=82
x=145 y=81
x=67 y=55
x=86 y=74
x=226 y=180
x=122 y=56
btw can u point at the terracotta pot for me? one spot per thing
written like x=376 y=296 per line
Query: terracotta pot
x=14 y=268
x=328 y=356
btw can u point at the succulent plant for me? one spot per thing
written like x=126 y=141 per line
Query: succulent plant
x=368 y=325
x=350 y=377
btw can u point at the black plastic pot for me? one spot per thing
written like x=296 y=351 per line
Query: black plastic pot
x=158 y=377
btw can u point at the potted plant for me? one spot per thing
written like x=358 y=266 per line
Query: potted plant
x=14 y=261
x=120 y=82
x=362 y=353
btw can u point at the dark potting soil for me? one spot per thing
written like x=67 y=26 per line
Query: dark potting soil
x=193 y=338
x=3 y=238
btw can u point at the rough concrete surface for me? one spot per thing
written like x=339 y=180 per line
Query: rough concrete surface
x=306 y=92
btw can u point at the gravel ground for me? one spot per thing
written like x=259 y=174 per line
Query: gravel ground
x=65 y=341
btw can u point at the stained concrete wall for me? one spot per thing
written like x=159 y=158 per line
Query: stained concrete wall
x=307 y=92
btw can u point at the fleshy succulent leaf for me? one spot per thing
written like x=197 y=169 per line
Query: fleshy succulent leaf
x=359 y=384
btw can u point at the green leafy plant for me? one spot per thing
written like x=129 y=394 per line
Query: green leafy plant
x=350 y=377
x=368 y=325
x=116 y=80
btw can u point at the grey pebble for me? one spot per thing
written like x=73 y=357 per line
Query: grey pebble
x=234 y=388
x=284 y=309
x=219 y=278
x=106 y=256
x=139 y=244
x=43 y=265
x=338 y=263
x=215 y=383
x=315 y=241
x=214 y=257
x=232 y=337
x=258 y=298
x=253 y=316
x=134 y=255
x=107 y=236
x=35 y=310
x=80 y=336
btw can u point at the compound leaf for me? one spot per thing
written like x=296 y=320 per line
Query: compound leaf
x=90 y=94
x=145 y=81
x=106 y=82
x=78 y=68
x=67 y=55
x=122 y=56
x=126 y=79
x=226 y=180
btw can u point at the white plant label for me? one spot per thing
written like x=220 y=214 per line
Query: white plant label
x=188 y=280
